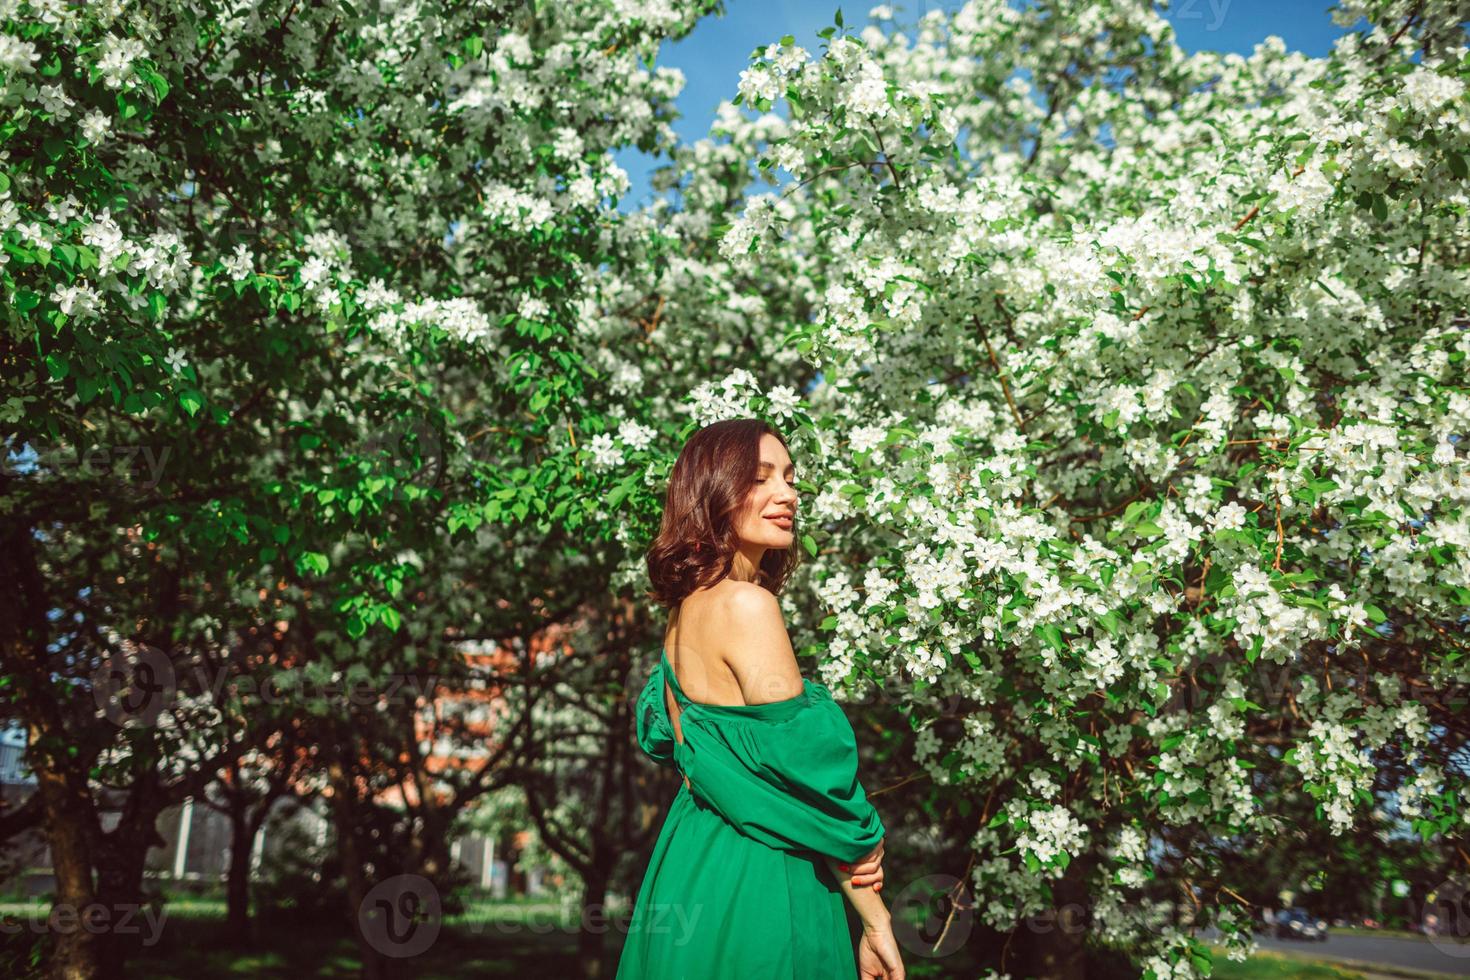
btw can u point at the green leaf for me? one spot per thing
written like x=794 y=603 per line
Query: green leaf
x=155 y=81
x=313 y=561
x=57 y=365
x=1457 y=164
x=190 y=400
x=809 y=543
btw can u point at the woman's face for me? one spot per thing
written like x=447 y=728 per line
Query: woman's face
x=772 y=495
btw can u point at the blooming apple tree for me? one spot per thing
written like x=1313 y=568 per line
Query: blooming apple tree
x=1140 y=372
x=321 y=262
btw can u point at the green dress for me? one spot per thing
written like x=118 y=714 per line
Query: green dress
x=736 y=886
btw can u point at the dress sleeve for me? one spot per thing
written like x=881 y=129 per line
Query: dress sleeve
x=655 y=734
x=791 y=784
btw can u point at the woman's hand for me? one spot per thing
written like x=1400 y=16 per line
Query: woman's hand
x=877 y=955
x=867 y=870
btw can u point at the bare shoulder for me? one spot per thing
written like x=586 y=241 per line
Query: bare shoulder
x=740 y=599
x=757 y=647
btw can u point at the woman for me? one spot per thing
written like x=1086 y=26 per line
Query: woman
x=770 y=829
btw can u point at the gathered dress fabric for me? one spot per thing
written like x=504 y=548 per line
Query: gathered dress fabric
x=736 y=885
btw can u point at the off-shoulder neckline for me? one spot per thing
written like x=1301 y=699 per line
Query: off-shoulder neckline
x=736 y=710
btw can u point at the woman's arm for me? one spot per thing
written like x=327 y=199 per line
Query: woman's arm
x=878 y=954
x=865 y=901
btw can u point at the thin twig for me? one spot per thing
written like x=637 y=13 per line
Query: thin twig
x=902 y=782
x=995 y=363
x=1280 y=536
x=954 y=904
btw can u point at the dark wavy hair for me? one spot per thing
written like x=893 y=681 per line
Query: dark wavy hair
x=696 y=541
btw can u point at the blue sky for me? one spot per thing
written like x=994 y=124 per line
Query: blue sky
x=719 y=48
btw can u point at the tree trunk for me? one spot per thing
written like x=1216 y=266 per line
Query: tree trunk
x=374 y=965
x=594 y=924
x=61 y=780
x=119 y=861
x=237 y=894
x=74 y=953
x=1052 y=945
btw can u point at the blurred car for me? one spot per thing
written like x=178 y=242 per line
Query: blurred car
x=1298 y=923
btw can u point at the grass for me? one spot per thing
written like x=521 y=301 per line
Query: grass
x=1360 y=931
x=195 y=948
x=1269 y=966
x=514 y=938
x=493 y=939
